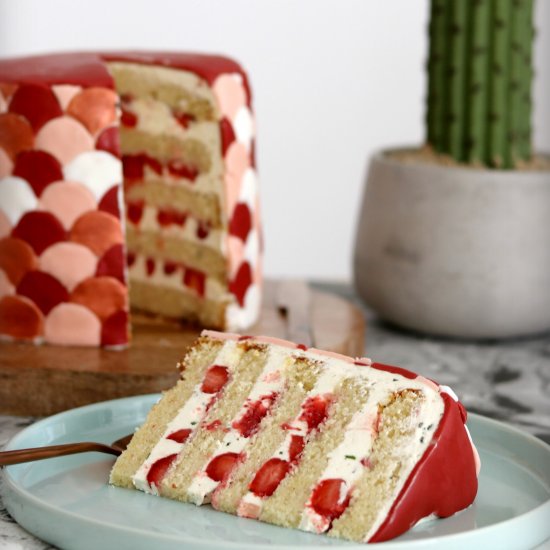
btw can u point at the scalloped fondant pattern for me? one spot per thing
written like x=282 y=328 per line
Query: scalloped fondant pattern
x=60 y=246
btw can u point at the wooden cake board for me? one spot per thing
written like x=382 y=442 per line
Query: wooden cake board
x=43 y=380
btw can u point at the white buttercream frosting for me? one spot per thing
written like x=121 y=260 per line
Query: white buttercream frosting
x=269 y=382
x=188 y=417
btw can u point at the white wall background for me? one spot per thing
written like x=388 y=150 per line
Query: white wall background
x=334 y=80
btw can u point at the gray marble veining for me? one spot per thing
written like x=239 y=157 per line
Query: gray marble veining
x=506 y=380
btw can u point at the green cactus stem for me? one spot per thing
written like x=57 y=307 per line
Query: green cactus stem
x=477 y=84
x=480 y=74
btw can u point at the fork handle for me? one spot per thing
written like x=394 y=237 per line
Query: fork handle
x=40 y=453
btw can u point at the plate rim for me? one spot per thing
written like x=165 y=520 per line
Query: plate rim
x=22 y=493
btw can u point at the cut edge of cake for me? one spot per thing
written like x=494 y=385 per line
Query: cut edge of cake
x=60 y=118
x=366 y=450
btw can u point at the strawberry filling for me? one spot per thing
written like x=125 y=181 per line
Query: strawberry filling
x=249 y=422
x=195 y=280
x=215 y=379
x=170 y=217
x=315 y=411
x=269 y=476
x=297 y=444
x=329 y=498
x=180 y=436
x=159 y=468
x=220 y=466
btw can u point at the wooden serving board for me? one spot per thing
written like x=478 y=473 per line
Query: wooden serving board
x=43 y=380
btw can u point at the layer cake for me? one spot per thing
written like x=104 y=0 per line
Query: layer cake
x=269 y=430
x=125 y=168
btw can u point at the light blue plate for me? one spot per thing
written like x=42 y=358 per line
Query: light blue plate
x=67 y=502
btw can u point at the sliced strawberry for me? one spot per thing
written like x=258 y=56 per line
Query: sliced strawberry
x=220 y=467
x=203 y=229
x=215 y=379
x=180 y=436
x=269 y=476
x=297 y=444
x=184 y=119
x=253 y=415
x=170 y=267
x=241 y=221
x=169 y=216
x=327 y=499
x=315 y=410
x=179 y=169
x=159 y=468
x=149 y=266
x=214 y=425
x=195 y=280
x=128 y=119
x=134 y=211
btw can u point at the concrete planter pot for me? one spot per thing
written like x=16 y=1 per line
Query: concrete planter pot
x=455 y=251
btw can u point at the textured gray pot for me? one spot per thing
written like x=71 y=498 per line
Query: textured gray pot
x=455 y=251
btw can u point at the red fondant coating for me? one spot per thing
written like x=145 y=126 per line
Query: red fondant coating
x=94 y=107
x=241 y=282
x=39 y=229
x=37 y=103
x=109 y=140
x=43 y=289
x=102 y=295
x=111 y=264
x=16 y=134
x=443 y=482
x=97 y=230
x=114 y=331
x=227 y=135
x=109 y=202
x=16 y=259
x=395 y=370
x=38 y=168
x=241 y=221
x=20 y=318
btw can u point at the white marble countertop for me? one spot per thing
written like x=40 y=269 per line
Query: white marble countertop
x=507 y=380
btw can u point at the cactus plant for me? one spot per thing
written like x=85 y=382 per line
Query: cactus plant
x=479 y=81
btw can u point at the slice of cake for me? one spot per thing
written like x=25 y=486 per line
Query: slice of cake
x=175 y=132
x=268 y=429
